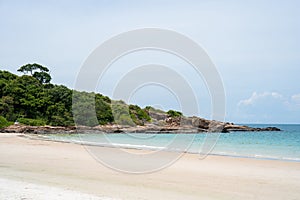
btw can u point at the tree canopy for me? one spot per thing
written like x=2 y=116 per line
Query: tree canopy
x=28 y=100
x=38 y=71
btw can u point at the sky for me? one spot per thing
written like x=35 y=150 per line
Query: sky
x=255 y=46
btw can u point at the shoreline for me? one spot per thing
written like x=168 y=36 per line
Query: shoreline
x=69 y=166
x=42 y=137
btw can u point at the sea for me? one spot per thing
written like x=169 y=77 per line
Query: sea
x=282 y=145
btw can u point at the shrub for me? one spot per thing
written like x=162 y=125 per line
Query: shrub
x=153 y=110
x=4 y=123
x=124 y=119
x=173 y=113
x=32 y=122
x=138 y=115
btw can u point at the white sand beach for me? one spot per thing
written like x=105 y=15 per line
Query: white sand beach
x=36 y=169
x=12 y=190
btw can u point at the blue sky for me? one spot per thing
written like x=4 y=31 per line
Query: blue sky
x=255 y=46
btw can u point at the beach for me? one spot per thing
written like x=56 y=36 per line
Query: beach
x=68 y=169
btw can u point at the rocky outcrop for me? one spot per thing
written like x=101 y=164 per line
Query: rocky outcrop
x=169 y=125
x=38 y=129
x=157 y=115
x=148 y=128
x=233 y=127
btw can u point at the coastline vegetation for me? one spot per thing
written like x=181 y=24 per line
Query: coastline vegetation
x=31 y=99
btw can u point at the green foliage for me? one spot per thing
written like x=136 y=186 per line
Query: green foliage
x=6 y=107
x=149 y=109
x=59 y=109
x=173 y=113
x=26 y=97
x=129 y=115
x=32 y=122
x=32 y=67
x=27 y=68
x=84 y=106
x=3 y=122
x=43 y=77
x=138 y=115
x=59 y=115
x=34 y=101
x=7 y=75
x=106 y=99
x=125 y=120
x=38 y=71
x=121 y=113
x=103 y=109
x=84 y=109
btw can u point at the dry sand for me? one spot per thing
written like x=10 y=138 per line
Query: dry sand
x=33 y=167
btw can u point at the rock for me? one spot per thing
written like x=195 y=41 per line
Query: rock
x=232 y=127
x=215 y=126
x=270 y=129
x=200 y=122
x=157 y=115
x=17 y=128
x=168 y=125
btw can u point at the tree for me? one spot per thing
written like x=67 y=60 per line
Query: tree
x=32 y=67
x=42 y=77
x=38 y=71
x=83 y=107
x=28 y=68
x=28 y=100
x=103 y=109
x=7 y=108
x=5 y=75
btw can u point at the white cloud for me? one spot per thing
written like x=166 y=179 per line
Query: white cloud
x=258 y=96
x=296 y=99
x=269 y=107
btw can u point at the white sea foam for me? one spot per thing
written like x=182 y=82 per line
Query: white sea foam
x=121 y=145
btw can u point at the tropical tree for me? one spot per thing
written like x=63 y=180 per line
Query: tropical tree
x=7 y=108
x=38 y=71
x=43 y=77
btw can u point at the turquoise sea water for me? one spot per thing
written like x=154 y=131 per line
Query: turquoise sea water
x=283 y=145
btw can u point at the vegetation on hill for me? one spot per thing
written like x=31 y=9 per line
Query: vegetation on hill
x=173 y=113
x=32 y=100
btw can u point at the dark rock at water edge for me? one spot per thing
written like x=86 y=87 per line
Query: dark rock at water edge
x=168 y=125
